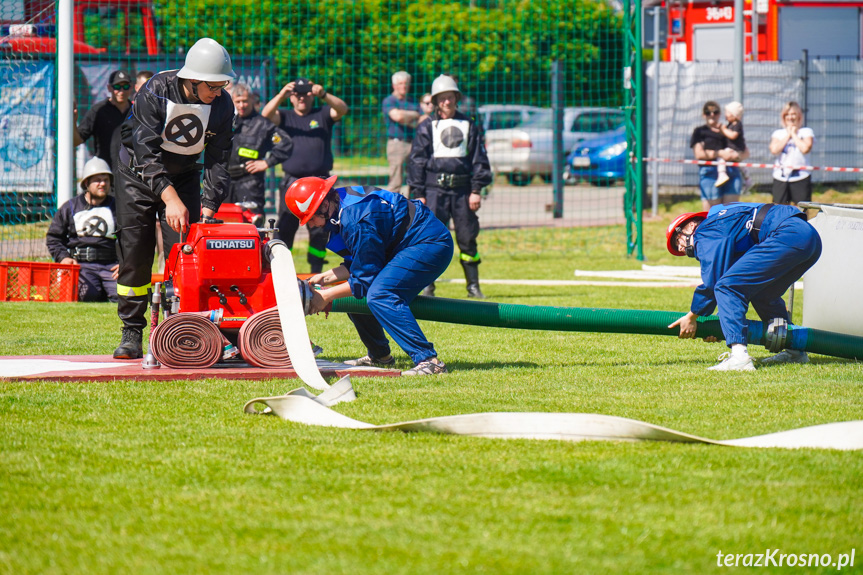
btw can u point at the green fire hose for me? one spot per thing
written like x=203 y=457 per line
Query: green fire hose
x=599 y=320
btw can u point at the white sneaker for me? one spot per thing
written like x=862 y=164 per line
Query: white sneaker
x=788 y=356
x=730 y=362
x=720 y=180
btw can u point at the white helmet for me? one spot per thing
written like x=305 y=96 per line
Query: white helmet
x=444 y=83
x=94 y=167
x=207 y=61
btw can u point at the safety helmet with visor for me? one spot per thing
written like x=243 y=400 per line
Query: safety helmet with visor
x=305 y=195
x=676 y=227
x=207 y=61
x=444 y=83
x=94 y=167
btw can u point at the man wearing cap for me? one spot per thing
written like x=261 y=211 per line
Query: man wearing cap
x=103 y=120
x=83 y=232
x=178 y=117
x=311 y=131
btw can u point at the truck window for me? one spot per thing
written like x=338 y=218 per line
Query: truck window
x=115 y=29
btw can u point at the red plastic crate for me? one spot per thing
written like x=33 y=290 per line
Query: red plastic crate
x=38 y=281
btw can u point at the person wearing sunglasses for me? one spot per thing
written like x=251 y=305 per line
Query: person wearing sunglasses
x=310 y=128
x=179 y=117
x=708 y=142
x=103 y=120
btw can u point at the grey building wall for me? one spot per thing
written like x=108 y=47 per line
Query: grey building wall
x=830 y=91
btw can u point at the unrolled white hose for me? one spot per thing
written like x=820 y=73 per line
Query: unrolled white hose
x=302 y=407
x=291 y=317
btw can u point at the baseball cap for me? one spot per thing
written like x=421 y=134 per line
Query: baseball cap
x=302 y=86
x=118 y=76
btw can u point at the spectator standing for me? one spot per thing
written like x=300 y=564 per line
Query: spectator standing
x=401 y=115
x=311 y=131
x=447 y=168
x=178 y=117
x=83 y=232
x=426 y=106
x=709 y=143
x=254 y=137
x=104 y=119
x=792 y=143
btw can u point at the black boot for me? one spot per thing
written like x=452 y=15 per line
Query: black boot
x=471 y=274
x=130 y=345
x=428 y=291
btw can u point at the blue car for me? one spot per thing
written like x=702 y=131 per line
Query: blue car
x=600 y=161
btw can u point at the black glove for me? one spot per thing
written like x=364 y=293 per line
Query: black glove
x=211 y=220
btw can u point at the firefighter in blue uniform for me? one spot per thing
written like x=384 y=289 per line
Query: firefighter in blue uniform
x=393 y=247
x=447 y=169
x=749 y=253
x=179 y=116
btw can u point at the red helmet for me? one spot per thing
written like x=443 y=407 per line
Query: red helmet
x=678 y=224
x=305 y=195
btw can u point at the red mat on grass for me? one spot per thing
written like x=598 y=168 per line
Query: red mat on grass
x=131 y=369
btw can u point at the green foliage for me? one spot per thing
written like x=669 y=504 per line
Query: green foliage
x=501 y=52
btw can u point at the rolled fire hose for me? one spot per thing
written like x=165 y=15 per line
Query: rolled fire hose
x=608 y=321
x=190 y=340
x=261 y=341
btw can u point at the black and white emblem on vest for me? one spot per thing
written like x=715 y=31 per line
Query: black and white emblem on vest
x=450 y=138
x=185 y=126
x=95 y=222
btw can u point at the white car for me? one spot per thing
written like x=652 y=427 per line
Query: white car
x=503 y=116
x=527 y=150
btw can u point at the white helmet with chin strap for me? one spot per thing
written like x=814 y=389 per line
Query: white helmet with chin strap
x=207 y=61
x=444 y=83
x=94 y=167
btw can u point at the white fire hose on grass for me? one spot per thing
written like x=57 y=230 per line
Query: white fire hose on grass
x=301 y=406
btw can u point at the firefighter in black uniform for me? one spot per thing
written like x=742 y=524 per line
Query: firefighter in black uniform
x=83 y=232
x=447 y=169
x=178 y=115
x=254 y=136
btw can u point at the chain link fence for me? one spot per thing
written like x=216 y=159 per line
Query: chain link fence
x=500 y=51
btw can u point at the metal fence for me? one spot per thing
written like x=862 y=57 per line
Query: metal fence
x=830 y=92
x=501 y=51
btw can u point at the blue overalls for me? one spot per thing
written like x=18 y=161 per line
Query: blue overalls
x=735 y=270
x=391 y=257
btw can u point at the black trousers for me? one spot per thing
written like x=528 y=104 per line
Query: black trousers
x=137 y=210
x=455 y=205
x=247 y=189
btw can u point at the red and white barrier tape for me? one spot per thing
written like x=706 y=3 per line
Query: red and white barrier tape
x=753 y=165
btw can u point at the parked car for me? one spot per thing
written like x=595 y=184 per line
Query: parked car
x=504 y=116
x=599 y=161
x=527 y=150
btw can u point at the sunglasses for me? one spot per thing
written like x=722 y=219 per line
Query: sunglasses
x=711 y=113
x=217 y=87
x=121 y=86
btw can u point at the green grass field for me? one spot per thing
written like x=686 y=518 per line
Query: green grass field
x=138 y=477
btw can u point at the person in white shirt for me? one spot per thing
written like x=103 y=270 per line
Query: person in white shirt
x=792 y=144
